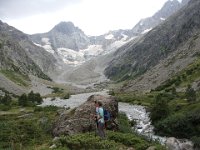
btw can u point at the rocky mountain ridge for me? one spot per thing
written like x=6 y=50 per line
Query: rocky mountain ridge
x=162 y=52
x=74 y=47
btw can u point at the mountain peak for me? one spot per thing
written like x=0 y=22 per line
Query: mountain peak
x=66 y=28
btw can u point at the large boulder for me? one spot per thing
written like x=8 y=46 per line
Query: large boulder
x=177 y=144
x=80 y=119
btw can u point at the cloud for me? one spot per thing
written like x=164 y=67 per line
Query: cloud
x=14 y=9
x=94 y=17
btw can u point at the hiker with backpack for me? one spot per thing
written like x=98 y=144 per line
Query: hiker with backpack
x=100 y=120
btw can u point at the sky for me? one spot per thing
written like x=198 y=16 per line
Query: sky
x=94 y=17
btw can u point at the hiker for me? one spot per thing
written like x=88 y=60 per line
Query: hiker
x=99 y=119
x=100 y=122
x=97 y=112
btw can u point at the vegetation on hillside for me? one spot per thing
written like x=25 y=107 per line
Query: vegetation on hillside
x=16 y=77
x=174 y=106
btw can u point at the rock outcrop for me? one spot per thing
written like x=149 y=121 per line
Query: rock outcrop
x=80 y=119
x=175 y=144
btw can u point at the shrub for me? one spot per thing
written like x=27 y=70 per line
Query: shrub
x=6 y=100
x=5 y=107
x=23 y=100
x=182 y=125
x=124 y=125
x=45 y=109
x=66 y=96
x=160 y=109
x=129 y=139
x=87 y=141
x=196 y=141
x=35 y=98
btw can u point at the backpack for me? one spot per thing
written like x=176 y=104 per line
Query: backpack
x=107 y=115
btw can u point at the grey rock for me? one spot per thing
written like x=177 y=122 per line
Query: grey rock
x=53 y=146
x=175 y=144
x=80 y=119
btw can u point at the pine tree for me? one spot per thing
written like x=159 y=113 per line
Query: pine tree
x=23 y=100
x=31 y=97
x=6 y=100
x=38 y=98
x=160 y=109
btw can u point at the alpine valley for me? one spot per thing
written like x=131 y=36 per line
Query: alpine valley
x=152 y=70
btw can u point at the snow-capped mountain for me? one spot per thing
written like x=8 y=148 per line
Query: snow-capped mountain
x=169 y=8
x=74 y=47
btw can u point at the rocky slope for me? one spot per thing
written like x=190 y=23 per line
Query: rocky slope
x=169 y=8
x=162 y=52
x=13 y=55
x=19 y=58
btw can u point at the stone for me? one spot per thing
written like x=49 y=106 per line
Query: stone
x=151 y=148
x=55 y=139
x=80 y=120
x=177 y=144
x=53 y=146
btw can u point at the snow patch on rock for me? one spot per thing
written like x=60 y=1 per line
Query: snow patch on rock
x=147 y=30
x=109 y=36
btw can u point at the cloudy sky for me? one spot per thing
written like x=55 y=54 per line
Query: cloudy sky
x=94 y=17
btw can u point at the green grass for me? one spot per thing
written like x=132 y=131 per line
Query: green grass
x=136 y=99
x=59 y=92
x=21 y=80
x=27 y=132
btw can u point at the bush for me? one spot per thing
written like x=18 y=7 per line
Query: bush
x=22 y=132
x=196 y=141
x=35 y=98
x=160 y=109
x=66 y=96
x=5 y=107
x=111 y=92
x=45 y=109
x=6 y=100
x=87 y=141
x=129 y=139
x=23 y=100
x=31 y=100
x=124 y=125
x=57 y=90
x=182 y=125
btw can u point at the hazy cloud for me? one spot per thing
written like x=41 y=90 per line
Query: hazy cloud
x=14 y=9
x=94 y=17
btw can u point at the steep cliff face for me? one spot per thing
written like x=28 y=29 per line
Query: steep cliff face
x=179 y=32
x=19 y=58
x=13 y=54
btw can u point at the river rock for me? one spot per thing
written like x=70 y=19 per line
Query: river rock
x=176 y=144
x=53 y=146
x=80 y=119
